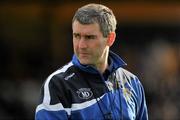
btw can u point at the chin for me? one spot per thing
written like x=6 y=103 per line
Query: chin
x=84 y=62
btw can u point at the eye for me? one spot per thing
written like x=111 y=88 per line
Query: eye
x=76 y=35
x=89 y=37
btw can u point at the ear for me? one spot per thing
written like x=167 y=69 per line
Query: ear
x=111 y=38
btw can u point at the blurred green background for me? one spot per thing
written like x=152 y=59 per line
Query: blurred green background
x=36 y=39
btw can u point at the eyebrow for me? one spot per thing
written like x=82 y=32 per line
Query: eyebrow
x=90 y=36
x=86 y=35
x=76 y=34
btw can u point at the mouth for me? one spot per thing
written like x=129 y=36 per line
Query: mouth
x=84 y=54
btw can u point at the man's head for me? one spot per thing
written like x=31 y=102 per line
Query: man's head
x=97 y=13
x=93 y=33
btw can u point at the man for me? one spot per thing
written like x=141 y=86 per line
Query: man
x=93 y=85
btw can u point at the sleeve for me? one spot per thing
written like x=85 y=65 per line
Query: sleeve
x=50 y=105
x=142 y=107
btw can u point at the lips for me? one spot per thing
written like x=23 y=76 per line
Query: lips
x=83 y=54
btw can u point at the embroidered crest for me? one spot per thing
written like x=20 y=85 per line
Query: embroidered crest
x=84 y=93
x=127 y=92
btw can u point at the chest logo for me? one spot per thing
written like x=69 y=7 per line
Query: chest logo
x=84 y=93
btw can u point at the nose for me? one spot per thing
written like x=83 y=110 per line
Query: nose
x=82 y=43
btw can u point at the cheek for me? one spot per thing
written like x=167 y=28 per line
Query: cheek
x=99 y=47
x=75 y=46
x=75 y=43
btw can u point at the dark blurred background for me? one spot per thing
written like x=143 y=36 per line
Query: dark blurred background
x=35 y=40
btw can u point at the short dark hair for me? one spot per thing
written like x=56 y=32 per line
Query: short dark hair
x=97 y=13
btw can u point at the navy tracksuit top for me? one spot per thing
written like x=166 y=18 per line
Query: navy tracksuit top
x=80 y=92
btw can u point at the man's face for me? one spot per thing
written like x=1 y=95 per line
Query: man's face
x=89 y=43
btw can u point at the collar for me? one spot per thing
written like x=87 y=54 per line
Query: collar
x=114 y=63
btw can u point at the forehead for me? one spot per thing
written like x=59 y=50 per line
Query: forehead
x=86 y=28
